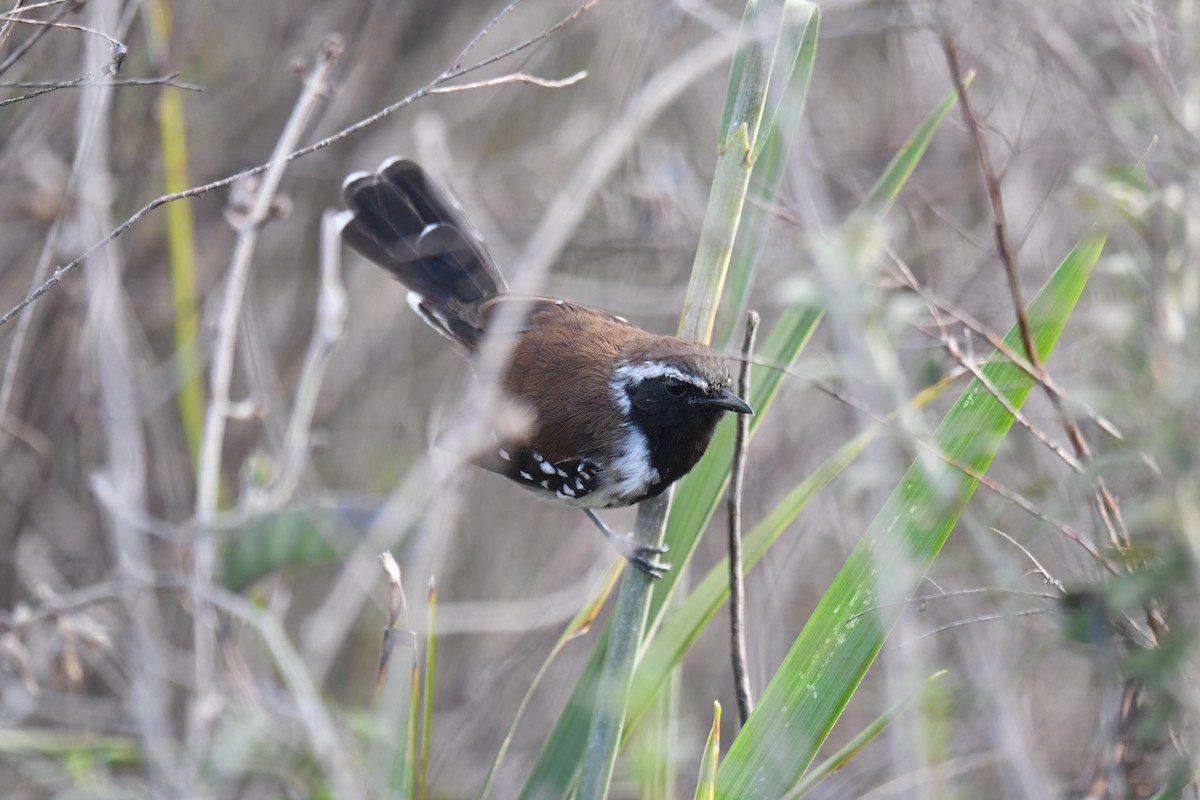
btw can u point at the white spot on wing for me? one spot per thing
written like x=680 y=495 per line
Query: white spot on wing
x=526 y=475
x=504 y=454
x=547 y=467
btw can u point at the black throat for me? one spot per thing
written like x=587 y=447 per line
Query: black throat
x=677 y=438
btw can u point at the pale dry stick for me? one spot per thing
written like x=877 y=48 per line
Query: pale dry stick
x=209 y=468
x=6 y=27
x=737 y=579
x=325 y=743
x=26 y=45
x=163 y=80
x=514 y=77
x=22 y=330
x=118 y=46
x=65 y=605
x=1045 y=573
x=43 y=265
x=483 y=32
x=20 y=8
x=85 y=81
x=330 y=322
x=198 y=191
x=456 y=70
x=1107 y=503
x=110 y=331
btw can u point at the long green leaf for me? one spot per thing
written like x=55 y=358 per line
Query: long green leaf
x=801 y=22
x=848 y=627
x=860 y=740
x=696 y=498
x=708 y=764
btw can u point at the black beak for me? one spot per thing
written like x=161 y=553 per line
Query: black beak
x=726 y=400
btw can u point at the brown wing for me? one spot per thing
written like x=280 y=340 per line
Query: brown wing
x=560 y=364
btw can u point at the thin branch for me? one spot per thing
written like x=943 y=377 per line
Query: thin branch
x=1002 y=399
x=63 y=605
x=924 y=600
x=330 y=322
x=162 y=80
x=119 y=48
x=737 y=583
x=484 y=31
x=320 y=144
x=86 y=81
x=209 y=470
x=1000 y=223
x=1045 y=573
x=1021 y=502
x=456 y=71
x=1109 y=510
x=25 y=46
x=514 y=77
x=979 y=329
x=1027 y=612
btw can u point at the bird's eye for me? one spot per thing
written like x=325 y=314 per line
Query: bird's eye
x=675 y=387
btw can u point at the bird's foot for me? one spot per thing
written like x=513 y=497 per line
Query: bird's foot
x=642 y=556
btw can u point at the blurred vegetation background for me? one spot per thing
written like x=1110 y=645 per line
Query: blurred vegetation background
x=1092 y=114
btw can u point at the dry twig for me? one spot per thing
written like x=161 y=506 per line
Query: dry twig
x=737 y=582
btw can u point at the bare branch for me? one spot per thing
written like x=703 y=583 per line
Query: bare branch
x=316 y=87
x=321 y=144
x=737 y=581
x=515 y=77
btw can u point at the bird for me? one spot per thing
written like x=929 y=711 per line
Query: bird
x=617 y=414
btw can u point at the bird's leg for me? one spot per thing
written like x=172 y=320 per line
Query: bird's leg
x=642 y=556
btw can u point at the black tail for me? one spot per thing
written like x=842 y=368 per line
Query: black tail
x=406 y=224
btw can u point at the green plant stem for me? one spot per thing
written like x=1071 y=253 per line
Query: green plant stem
x=629 y=620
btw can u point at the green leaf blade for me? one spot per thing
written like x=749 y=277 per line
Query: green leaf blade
x=849 y=626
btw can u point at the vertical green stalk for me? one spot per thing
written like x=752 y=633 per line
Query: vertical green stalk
x=427 y=698
x=745 y=100
x=180 y=238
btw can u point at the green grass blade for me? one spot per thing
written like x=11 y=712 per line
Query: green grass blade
x=860 y=740
x=181 y=241
x=799 y=40
x=427 y=693
x=705 y=787
x=749 y=80
x=887 y=188
x=848 y=627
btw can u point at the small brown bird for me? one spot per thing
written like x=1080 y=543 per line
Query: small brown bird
x=618 y=414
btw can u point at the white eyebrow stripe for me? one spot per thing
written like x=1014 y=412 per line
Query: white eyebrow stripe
x=636 y=373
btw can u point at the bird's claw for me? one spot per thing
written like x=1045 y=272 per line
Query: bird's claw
x=644 y=557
